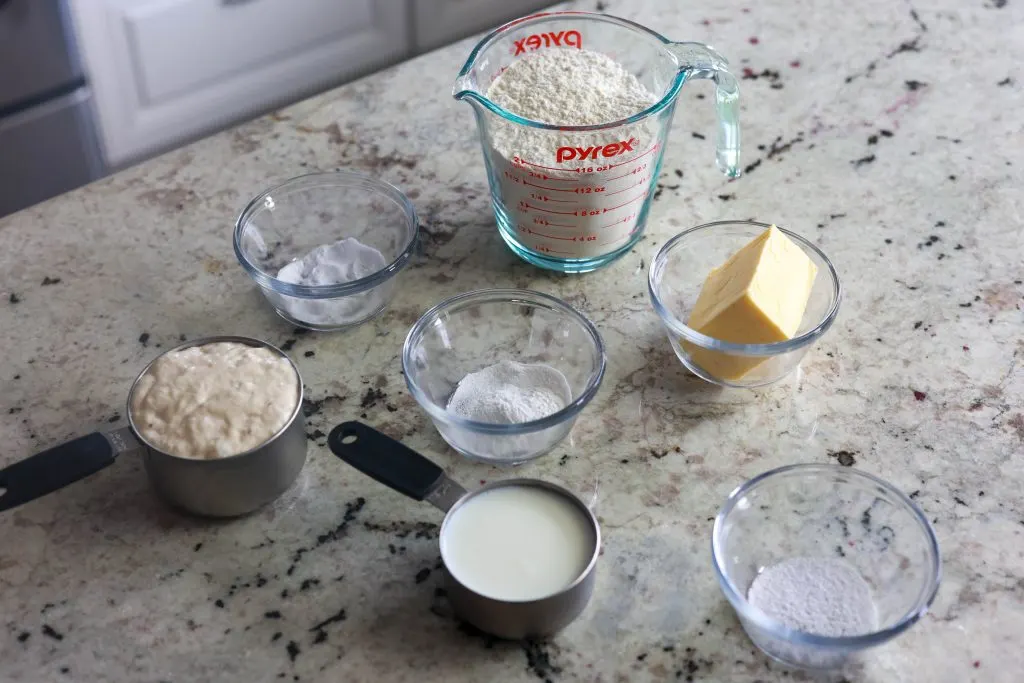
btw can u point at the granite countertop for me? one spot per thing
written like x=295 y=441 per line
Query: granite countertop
x=889 y=135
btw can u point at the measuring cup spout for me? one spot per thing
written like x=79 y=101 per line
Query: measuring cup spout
x=701 y=61
x=466 y=89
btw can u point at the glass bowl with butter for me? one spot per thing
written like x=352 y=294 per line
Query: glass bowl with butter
x=742 y=301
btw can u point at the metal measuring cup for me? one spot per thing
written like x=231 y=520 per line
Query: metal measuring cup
x=406 y=471
x=222 y=487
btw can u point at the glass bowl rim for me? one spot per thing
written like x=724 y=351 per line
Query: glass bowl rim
x=504 y=296
x=776 y=628
x=706 y=342
x=329 y=180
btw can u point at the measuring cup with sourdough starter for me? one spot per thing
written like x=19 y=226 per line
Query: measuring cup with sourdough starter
x=575 y=198
x=520 y=555
x=221 y=487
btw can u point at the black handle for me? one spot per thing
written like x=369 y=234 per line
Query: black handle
x=54 y=469
x=386 y=460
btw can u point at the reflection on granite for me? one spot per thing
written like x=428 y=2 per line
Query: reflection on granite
x=887 y=134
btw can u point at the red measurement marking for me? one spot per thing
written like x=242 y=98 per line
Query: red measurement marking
x=639 y=196
x=602 y=244
x=545 y=176
x=638 y=156
x=551 y=237
x=638 y=169
x=550 y=189
x=624 y=220
x=539 y=176
x=530 y=163
x=527 y=207
x=626 y=189
x=548 y=250
x=558 y=201
x=544 y=198
x=544 y=221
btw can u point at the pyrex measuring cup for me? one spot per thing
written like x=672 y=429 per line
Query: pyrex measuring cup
x=575 y=198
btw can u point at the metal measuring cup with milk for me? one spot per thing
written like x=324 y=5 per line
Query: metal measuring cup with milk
x=573 y=111
x=520 y=555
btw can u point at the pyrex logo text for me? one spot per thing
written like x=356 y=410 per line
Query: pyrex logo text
x=612 y=149
x=549 y=39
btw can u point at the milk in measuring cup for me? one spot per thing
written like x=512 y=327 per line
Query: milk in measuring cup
x=573 y=194
x=517 y=543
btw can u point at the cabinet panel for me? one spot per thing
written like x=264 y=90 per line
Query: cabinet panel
x=188 y=44
x=167 y=71
x=441 y=21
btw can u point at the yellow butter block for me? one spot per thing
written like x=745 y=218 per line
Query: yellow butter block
x=758 y=296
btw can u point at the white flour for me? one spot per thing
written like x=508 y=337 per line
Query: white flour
x=823 y=596
x=510 y=393
x=572 y=195
x=330 y=264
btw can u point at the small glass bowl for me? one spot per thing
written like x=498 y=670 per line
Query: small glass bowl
x=471 y=331
x=675 y=280
x=288 y=221
x=826 y=511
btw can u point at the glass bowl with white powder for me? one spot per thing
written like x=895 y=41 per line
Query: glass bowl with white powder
x=503 y=373
x=821 y=562
x=325 y=248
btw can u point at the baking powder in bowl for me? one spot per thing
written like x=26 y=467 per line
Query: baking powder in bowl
x=215 y=400
x=517 y=543
x=509 y=392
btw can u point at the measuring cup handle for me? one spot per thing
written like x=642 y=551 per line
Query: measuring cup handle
x=393 y=464
x=702 y=61
x=52 y=470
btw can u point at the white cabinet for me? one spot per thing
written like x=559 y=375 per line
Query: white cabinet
x=165 y=71
x=438 y=22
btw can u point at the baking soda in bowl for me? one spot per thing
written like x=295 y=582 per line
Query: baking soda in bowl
x=343 y=261
x=573 y=194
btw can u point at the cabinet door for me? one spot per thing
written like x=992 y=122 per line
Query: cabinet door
x=441 y=21
x=165 y=71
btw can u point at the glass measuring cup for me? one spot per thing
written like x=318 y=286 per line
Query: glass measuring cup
x=575 y=198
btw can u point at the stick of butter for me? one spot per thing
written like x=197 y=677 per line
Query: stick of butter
x=758 y=296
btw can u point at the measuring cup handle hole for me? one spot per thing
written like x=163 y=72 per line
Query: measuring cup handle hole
x=349 y=438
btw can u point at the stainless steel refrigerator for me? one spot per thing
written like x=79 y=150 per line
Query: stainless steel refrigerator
x=48 y=140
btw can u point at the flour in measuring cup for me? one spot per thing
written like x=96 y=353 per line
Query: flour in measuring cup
x=330 y=264
x=572 y=194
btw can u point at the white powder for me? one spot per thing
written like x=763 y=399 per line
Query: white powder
x=823 y=596
x=509 y=392
x=570 y=87
x=331 y=264
x=573 y=195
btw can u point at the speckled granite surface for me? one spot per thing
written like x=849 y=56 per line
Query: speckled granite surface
x=889 y=134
